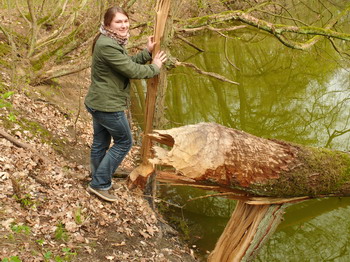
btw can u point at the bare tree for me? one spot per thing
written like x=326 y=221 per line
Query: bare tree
x=51 y=38
x=296 y=24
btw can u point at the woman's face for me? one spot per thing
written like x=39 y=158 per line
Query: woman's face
x=120 y=24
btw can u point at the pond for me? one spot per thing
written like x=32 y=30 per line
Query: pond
x=292 y=95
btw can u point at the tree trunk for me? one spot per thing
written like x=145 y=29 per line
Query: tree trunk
x=212 y=154
x=262 y=174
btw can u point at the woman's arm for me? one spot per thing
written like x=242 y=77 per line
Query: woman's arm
x=120 y=62
x=146 y=54
x=142 y=57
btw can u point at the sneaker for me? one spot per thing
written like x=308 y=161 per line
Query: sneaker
x=102 y=194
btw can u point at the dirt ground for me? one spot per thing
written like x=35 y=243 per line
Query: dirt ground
x=45 y=212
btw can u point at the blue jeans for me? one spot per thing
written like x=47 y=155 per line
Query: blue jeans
x=104 y=159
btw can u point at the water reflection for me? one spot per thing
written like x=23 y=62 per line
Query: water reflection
x=313 y=231
x=283 y=93
x=301 y=97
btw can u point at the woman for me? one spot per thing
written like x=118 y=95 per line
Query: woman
x=107 y=97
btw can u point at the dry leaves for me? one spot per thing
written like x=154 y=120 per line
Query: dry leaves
x=51 y=198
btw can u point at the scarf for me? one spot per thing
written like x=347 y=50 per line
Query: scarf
x=122 y=40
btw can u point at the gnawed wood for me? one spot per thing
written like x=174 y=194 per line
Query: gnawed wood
x=253 y=220
x=274 y=201
x=217 y=155
x=246 y=231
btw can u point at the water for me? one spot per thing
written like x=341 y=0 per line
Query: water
x=286 y=94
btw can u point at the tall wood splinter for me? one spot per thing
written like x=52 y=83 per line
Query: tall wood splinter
x=145 y=169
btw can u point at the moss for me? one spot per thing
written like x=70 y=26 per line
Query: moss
x=205 y=20
x=46 y=136
x=36 y=129
x=39 y=64
x=317 y=171
x=58 y=53
x=5 y=50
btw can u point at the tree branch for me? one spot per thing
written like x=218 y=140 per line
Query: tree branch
x=189 y=43
x=198 y=70
x=191 y=30
x=9 y=38
x=22 y=14
x=276 y=29
x=34 y=28
x=59 y=72
x=227 y=58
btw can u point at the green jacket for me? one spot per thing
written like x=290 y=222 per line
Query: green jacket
x=111 y=70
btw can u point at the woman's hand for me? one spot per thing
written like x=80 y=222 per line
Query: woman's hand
x=159 y=59
x=150 y=44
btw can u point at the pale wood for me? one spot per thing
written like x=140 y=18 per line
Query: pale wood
x=145 y=169
x=247 y=229
x=162 y=10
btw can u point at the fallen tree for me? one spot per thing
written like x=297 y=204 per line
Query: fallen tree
x=263 y=174
x=212 y=154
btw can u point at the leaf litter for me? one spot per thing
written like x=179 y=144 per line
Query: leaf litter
x=50 y=200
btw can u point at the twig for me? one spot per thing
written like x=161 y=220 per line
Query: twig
x=336 y=48
x=190 y=30
x=77 y=117
x=212 y=74
x=190 y=44
x=56 y=73
x=156 y=199
x=256 y=8
x=227 y=58
x=215 y=195
x=18 y=143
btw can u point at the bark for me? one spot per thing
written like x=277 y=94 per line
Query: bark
x=211 y=154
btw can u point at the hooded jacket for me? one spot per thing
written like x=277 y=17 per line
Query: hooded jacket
x=111 y=71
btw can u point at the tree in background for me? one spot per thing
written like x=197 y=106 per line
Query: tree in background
x=44 y=39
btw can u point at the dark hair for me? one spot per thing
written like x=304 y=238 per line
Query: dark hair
x=110 y=14
x=107 y=19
